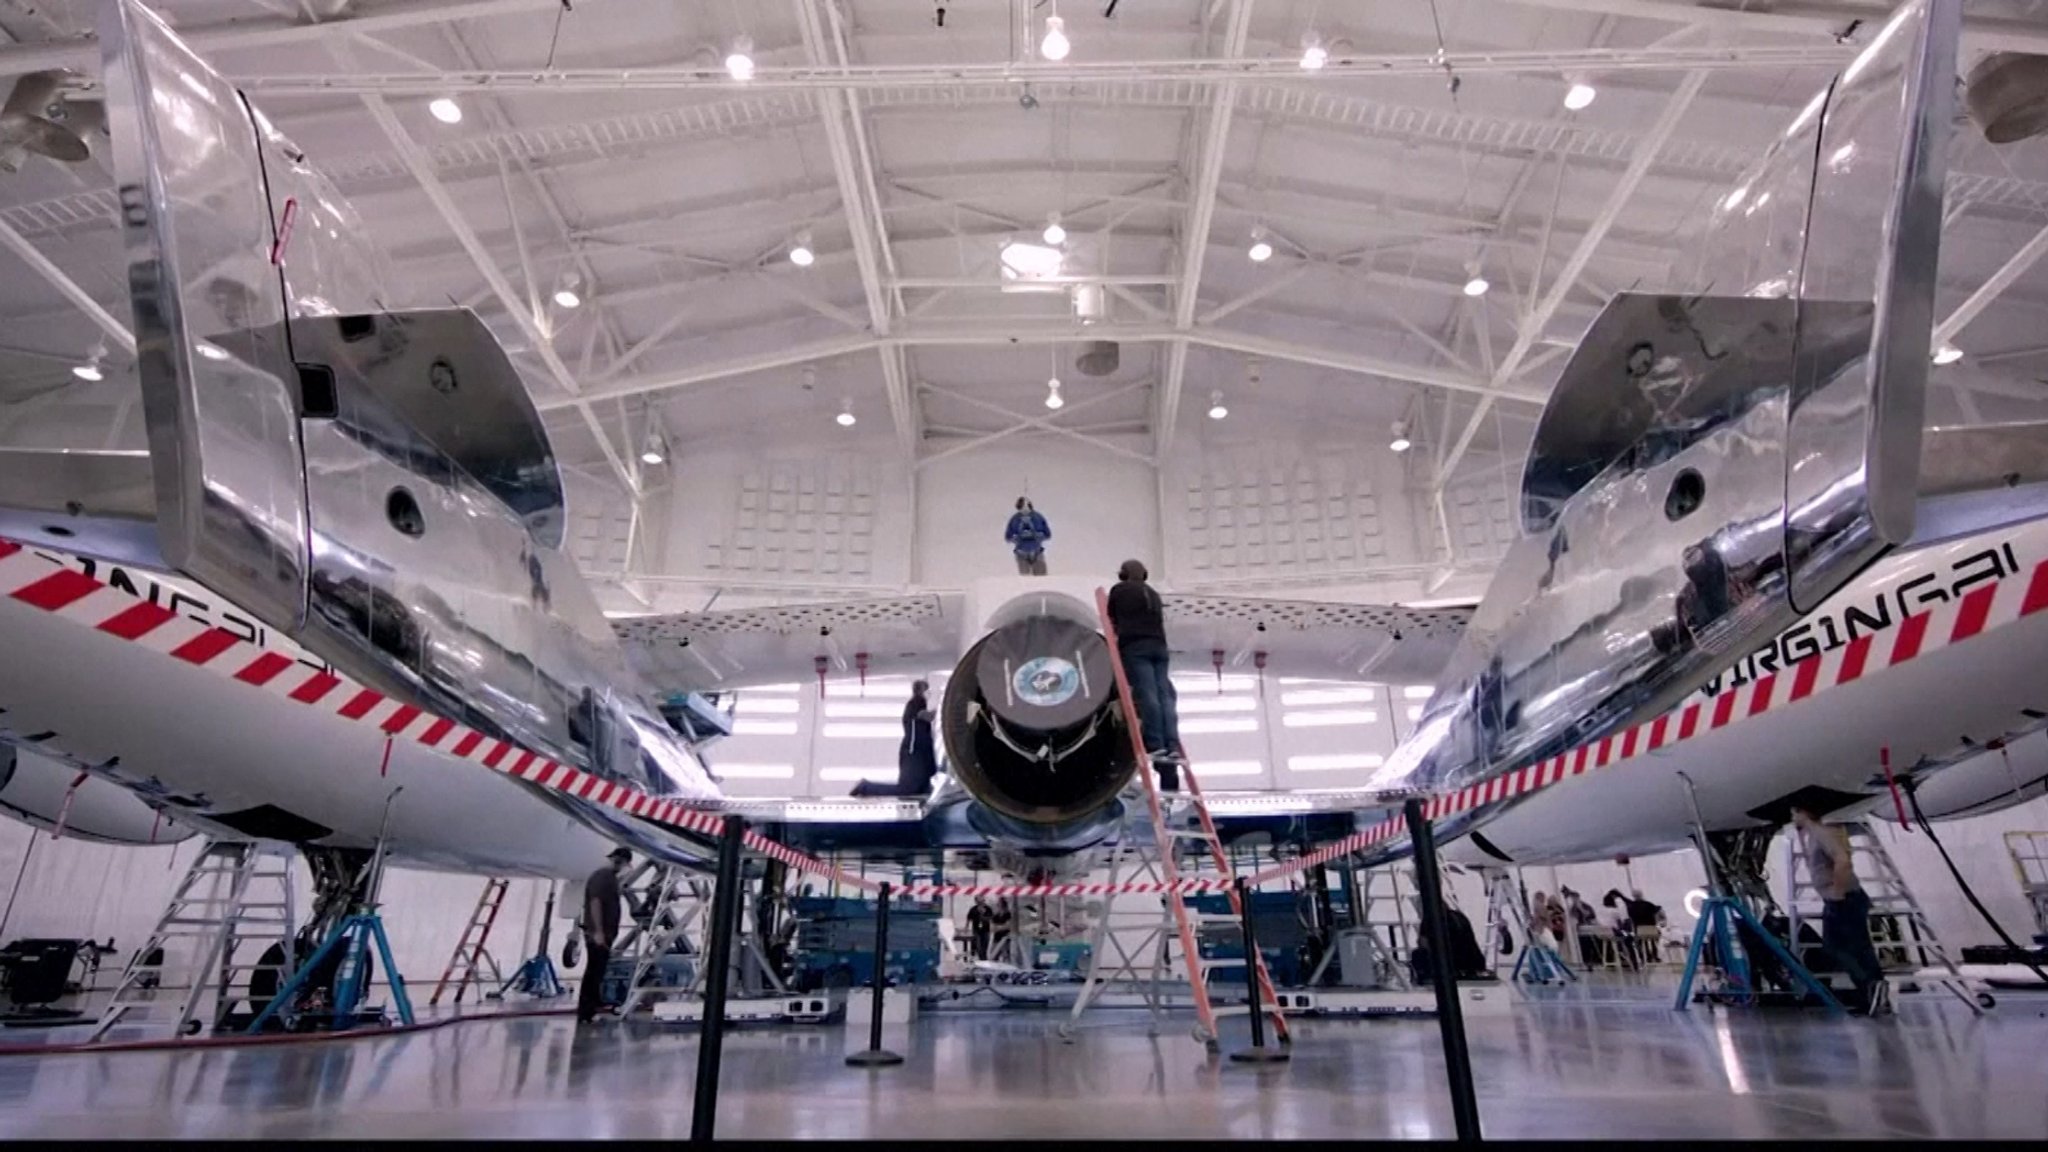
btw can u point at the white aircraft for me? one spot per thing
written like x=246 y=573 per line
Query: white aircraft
x=372 y=627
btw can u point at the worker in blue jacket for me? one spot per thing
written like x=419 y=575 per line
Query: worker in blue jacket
x=1027 y=535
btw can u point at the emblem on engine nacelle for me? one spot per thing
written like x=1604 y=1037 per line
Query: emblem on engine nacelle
x=1046 y=682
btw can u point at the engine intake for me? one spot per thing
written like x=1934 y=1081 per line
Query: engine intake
x=1032 y=724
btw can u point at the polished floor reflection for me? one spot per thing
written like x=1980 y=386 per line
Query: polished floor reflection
x=1600 y=1061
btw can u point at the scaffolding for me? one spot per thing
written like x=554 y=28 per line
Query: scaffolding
x=2029 y=852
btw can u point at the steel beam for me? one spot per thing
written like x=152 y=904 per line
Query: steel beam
x=116 y=333
x=1039 y=422
x=2022 y=260
x=1817 y=17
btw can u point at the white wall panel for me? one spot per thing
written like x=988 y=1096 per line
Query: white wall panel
x=1102 y=509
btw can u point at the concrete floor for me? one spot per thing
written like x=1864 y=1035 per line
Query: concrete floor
x=1606 y=1060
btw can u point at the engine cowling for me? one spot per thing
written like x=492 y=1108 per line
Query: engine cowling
x=1034 y=729
x=33 y=787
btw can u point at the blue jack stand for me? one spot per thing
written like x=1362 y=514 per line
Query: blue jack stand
x=1718 y=916
x=536 y=978
x=353 y=936
x=1544 y=966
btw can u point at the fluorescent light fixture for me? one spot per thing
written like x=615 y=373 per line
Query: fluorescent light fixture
x=1213 y=768
x=1336 y=762
x=1414 y=713
x=1220 y=724
x=1579 y=95
x=1209 y=684
x=1054 y=234
x=1947 y=354
x=1336 y=718
x=1195 y=705
x=446 y=111
x=1053 y=399
x=754 y=771
x=739 y=63
x=861 y=730
x=1216 y=409
x=862 y=709
x=876 y=774
x=1476 y=286
x=1317 y=696
x=1053 y=45
x=1418 y=691
x=764 y=727
x=1033 y=261
x=776 y=688
x=771 y=706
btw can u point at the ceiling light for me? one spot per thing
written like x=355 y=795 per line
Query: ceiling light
x=446 y=111
x=1054 y=46
x=565 y=291
x=1030 y=260
x=1216 y=409
x=739 y=63
x=1054 y=234
x=1579 y=95
x=845 y=417
x=90 y=370
x=1476 y=286
x=1260 y=251
x=212 y=351
x=650 y=449
x=1947 y=354
x=1052 y=394
x=1313 y=54
x=800 y=253
x=1400 y=442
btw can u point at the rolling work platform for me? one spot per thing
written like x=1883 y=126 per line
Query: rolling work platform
x=1182 y=819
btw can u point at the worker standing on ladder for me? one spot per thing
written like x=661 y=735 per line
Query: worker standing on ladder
x=1845 y=909
x=600 y=922
x=1138 y=616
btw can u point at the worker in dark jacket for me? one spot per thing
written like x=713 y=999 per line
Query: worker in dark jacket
x=600 y=922
x=1138 y=616
x=1027 y=533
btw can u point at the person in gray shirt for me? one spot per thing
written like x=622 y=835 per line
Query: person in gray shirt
x=600 y=923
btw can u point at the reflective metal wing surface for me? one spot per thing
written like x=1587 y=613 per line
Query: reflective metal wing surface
x=736 y=648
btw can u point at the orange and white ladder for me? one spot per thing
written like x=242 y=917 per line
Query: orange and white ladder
x=1169 y=832
x=466 y=965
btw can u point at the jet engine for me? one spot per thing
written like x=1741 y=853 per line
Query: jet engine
x=33 y=789
x=1034 y=730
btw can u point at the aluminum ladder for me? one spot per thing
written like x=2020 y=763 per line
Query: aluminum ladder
x=235 y=893
x=2029 y=852
x=1890 y=897
x=467 y=963
x=1259 y=986
x=1535 y=963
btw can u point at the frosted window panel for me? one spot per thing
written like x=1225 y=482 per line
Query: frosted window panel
x=755 y=771
x=1333 y=719
x=879 y=774
x=1334 y=762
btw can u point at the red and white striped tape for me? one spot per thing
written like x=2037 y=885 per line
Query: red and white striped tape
x=29 y=578
x=1184 y=886
x=1977 y=611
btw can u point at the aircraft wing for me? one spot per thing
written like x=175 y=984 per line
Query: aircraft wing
x=740 y=647
x=1316 y=639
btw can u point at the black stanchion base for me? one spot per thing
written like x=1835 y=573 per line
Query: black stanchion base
x=874 y=1058
x=1260 y=1056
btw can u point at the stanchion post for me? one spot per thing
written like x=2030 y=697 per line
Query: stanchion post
x=725 y=924
x=1450 y=1015
x=1258 y=1053
x=877 y=1056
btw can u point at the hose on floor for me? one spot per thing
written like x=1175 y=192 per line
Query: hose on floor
x=1970 y=894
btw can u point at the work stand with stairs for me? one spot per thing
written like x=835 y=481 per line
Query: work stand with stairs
x=1907 y=945
x=233 y=906
x=1183 y=848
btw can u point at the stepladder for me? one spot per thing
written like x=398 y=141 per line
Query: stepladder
x=236 y=897
x=1186 y=820
x=471 y=959
x=1904 y=938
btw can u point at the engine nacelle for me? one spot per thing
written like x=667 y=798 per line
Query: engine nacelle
x=1034 y=729
x=33 y=788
